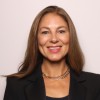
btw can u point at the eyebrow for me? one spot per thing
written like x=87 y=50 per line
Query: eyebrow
x=57 y=27
x=43 y=28
x=62 y=27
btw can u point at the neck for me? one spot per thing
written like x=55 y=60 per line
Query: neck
x=54 y=68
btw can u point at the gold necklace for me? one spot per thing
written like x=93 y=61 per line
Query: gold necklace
x=64 y=75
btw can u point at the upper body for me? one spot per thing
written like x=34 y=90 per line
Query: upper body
x=86 y=86
x=53 y=47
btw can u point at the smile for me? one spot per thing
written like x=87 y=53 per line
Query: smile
x=54 y=49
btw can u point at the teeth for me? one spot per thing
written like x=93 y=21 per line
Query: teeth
x=52 y=48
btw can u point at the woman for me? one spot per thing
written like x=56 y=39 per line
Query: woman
x=52 y=68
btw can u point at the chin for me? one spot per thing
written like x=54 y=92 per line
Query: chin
x=55 y=59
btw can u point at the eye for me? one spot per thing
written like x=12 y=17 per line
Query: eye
x=44 y=32
x=61 y=31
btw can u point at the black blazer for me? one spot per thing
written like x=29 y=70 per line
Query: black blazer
x=85 y=86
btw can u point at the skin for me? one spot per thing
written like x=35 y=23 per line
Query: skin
x=53 y=32
x=53 y=43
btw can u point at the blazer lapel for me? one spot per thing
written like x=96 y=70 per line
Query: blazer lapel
x=35 y=90
x=77 y=90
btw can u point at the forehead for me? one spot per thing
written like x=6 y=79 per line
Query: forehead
x=52 y=19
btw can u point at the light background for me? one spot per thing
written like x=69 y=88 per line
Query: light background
x=16 y=17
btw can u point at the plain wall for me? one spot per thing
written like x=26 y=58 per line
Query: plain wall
x=16 y=17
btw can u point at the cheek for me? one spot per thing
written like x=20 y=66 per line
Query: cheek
x=42 y=44
x=65 y=39
x=42 y=41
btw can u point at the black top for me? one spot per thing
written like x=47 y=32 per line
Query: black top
x=83 y=86
x=53 y=98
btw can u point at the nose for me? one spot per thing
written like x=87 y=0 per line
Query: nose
x=54 y=38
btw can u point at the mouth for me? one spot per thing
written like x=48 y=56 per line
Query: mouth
x=54 y=49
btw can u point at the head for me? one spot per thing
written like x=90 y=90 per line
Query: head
x=74 y=56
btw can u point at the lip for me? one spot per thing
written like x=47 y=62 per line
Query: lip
x=54 y=49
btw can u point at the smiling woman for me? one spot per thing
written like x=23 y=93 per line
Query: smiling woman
x=52 y=68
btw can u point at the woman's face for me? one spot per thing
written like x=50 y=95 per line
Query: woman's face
x=53 y=37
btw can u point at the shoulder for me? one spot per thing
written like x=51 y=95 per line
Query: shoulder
x=15 y=87
x=20 y=82
x=90 y=76
x=91 y=80
x=14 y=84
x=15 y=81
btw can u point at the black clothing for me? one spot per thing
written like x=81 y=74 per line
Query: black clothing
x=52 y=98
x=85 y=86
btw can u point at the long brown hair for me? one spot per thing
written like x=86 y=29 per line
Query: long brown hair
x=74 y=58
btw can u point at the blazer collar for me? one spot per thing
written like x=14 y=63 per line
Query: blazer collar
x=77 y=89
x=35 y=90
